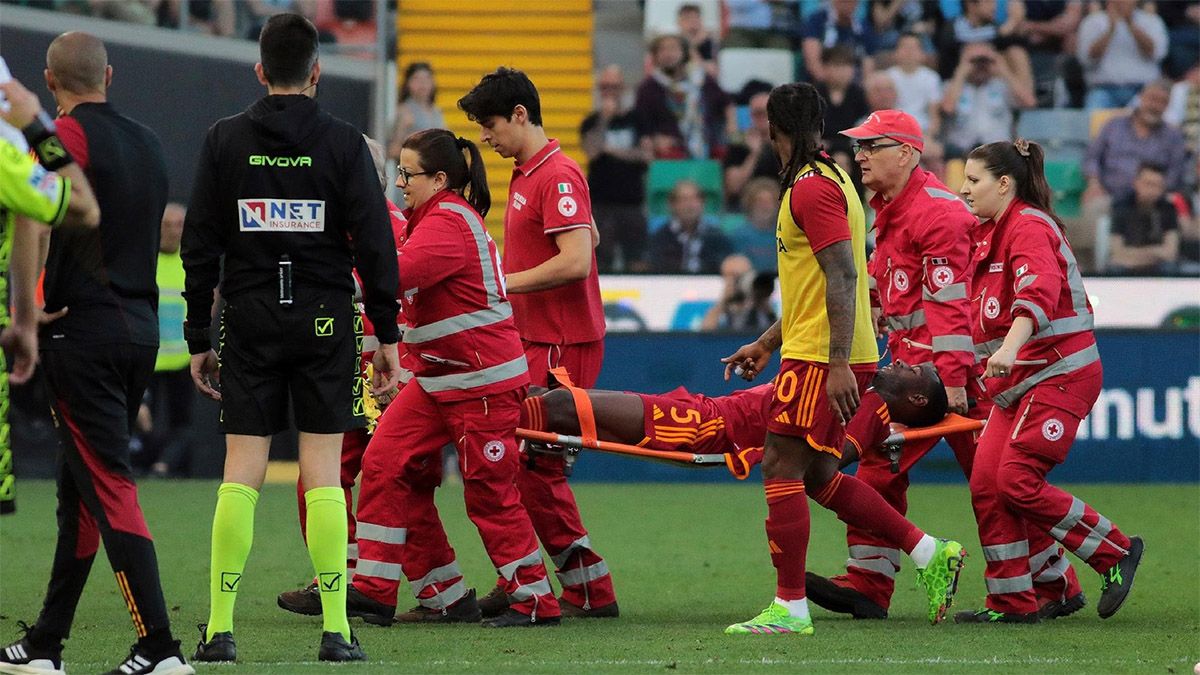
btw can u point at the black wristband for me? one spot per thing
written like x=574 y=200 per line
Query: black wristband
x=198 y=338
x=40 y=133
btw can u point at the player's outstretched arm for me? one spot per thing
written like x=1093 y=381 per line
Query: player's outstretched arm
x=751 y=359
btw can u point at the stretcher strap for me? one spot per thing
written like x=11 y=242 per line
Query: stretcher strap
x=951 y=424
x=583 y=405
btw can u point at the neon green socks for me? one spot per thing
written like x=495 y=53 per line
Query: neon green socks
x=326 y=527
x=232 y=534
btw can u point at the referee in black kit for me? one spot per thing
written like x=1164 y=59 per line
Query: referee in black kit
x=98 y=355
x=290 y=196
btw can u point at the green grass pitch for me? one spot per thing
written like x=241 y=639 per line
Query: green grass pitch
x=687 y=560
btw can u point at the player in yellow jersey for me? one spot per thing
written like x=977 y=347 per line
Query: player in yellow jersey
x=829 y=356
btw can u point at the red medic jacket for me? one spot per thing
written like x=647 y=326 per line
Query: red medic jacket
x=370 y=342
x=920 y=271
x=460 y=332
x=1023 y=266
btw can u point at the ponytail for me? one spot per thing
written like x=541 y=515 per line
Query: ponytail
x=441 y=150
x=477 y=193
x=1025 y=162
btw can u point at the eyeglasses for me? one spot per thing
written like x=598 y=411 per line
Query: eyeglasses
x=872 y=148
x=407 y=175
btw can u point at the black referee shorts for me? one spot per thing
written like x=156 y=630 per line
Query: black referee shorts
x=308 y=351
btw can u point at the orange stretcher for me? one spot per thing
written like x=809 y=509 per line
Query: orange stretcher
x=951 y=424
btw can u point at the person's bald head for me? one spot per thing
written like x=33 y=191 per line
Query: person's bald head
x=77 y=63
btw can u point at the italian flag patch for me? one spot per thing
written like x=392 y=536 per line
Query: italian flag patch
x=564 y=188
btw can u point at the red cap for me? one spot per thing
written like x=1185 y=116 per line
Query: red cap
x=894 y=124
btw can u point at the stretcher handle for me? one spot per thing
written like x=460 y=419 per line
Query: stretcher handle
x=609 y=446
x=951 y=424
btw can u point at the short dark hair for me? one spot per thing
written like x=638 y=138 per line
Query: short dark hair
x=915 y=36
x=1152 y=166
x=842 y=54
x=287 y=47
x=938 y=404
x=499 y=93
x=688 y=7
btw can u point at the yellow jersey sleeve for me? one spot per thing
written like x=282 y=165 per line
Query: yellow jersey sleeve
x=29 y=189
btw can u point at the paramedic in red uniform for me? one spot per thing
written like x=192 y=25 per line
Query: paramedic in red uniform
x=470 y=379
x=551 y=280
x=1032 y=324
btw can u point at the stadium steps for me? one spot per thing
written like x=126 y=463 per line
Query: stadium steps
x=551 y=40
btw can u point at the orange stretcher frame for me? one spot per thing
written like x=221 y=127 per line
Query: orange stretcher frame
x=951 y=424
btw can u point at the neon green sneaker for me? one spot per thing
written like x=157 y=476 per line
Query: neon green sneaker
x=940 y=577
x=774 y=620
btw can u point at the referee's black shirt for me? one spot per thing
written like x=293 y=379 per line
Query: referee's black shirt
x=285 y=178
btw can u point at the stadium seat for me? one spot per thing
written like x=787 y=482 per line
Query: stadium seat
x=956 y=169
x=739 y=66
x=1067 y=183
x=665 y=173
x=1103 y=232
x=1056 y=129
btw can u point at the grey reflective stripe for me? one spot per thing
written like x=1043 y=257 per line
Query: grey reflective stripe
x=352 y=551
x=1069 y=364
x=477 y=378
x=379 y=533
x=906 y=321
x=527 y=591
x=1025 y=281
x=1065 y=326
x=941 y=194
x=1038 y=560
x=563 y=556
x=1069 y=521
x=370 y=343
x=1096 y=537
x=997 y=552
x=490 y=273
x=1039 y=314
x=1009 y=584
x=861 y=552
x=507 y=571
x=583 y=575
x=458 y=323
x=444 y=573
x=986 y=349
x=1053 y=572
x=953 y=343
x=877 y=565
x=445 y=598
x=358 y=291
x=1074 y=277
x=379 y=570
x=952 y=292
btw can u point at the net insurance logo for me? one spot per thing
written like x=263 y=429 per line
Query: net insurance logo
x=281 y=215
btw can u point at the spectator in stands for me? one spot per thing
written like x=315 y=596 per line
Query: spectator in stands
x=745 y=302
x=1120 y=49
x=755 y=238
x=761 y=24
x=689 y=242
x=617 y=160
x=1127 y=142
x=417 y=109
x=933 y=160
x=892 y=19
x=1182 y=18
x=702 y=46
x=215 y=17
x=170 y=396
x=881 y=92
x=1189 y=229
x=1183 y=108
x=680 y=106
x=752 y=157
x=129 y=11
x=918 y=86
x=1049 y=29
x=977 y=24
x=980 y=99
x=845 y=102
x=837 y=24
x=1145 y=228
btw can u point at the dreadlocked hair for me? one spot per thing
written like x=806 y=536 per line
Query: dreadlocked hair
x=798 y=111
